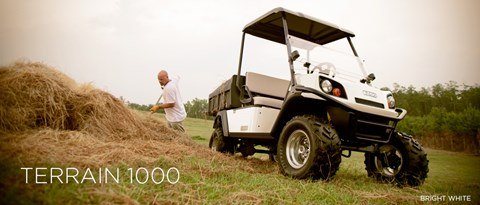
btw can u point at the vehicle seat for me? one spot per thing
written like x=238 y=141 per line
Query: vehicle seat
x=266 y=90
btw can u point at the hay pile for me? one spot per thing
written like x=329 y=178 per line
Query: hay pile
x=46 y=119
x=44 y=114
x=35 y=96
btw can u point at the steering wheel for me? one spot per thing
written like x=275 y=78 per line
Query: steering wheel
x=325 y=68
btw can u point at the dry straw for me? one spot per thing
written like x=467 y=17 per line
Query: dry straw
x=44 y=114
x=37 y=96
x=46 y=117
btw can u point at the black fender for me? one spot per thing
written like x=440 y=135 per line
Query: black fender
x=296 y=104
x=221 y=121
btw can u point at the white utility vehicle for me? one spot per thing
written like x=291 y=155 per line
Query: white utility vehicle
x=325 y=108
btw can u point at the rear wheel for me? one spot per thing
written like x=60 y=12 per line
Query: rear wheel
x=220 y=143
x=403 y=162
x=308 y=147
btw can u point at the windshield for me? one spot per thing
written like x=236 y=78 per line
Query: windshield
x=318 y=58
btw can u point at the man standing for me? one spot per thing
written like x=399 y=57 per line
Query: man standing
x=172 y=102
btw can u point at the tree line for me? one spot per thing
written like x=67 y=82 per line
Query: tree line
x=196 y=108
x=449 y=96
x=443 y=116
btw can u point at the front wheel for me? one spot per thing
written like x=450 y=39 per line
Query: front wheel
x=403 y=161
x=308 y=147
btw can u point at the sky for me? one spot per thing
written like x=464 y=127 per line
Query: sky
x=121 y=45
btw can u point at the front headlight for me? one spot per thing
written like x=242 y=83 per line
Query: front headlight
x=391 y=101
x=326 y=86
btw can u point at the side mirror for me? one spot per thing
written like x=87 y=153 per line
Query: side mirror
x=306 y=65
x=368 y=79
x=294 y=55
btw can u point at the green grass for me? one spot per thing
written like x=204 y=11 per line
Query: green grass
x=199 y=129
x=205 y=182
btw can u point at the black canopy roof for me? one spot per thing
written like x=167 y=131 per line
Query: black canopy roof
x=270 y=26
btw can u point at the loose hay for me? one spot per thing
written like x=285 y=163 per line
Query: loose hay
x=35 y=96
x=45 y=117
x=74 y=148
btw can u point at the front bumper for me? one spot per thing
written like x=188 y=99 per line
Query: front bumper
x=370 y=128
x=353 y=123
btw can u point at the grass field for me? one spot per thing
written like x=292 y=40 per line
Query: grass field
x=203 y=181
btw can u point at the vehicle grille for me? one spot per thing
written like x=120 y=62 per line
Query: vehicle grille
x=369 y=103
x=372 y=128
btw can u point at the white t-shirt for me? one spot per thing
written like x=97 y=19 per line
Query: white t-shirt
x=171 y=94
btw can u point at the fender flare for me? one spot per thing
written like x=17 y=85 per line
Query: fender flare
x=222 y=120
x=290 y=108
